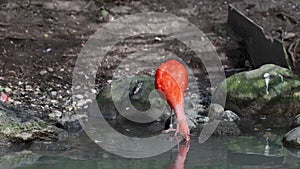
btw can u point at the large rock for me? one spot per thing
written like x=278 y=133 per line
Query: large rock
x=21 y=126
x=248 y=95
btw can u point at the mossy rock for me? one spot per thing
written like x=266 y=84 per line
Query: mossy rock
x=248 y=96
x=130 y=91
x=126 y=94
x=21 y=126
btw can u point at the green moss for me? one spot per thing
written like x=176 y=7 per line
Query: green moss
x=246 y=91
x=18 y=127
x=252 y=84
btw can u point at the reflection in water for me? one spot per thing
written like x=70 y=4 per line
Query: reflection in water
x=267 y=147
x=254 y=160
x=181 y=156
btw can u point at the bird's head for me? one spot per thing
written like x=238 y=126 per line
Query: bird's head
x=184 y=129
x=187 y=137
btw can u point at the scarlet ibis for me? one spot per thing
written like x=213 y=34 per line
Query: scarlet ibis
x=171 y=80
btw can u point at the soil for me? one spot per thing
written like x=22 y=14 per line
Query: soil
x=40 y=42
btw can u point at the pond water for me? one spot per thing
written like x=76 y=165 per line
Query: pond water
x=216 y=153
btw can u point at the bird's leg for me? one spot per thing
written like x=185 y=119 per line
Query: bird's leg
x=171 y=121
x=171 y=129
x=177 y=129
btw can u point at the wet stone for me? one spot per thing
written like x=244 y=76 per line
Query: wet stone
x=230 y=116
x=20 y=126
x=54 y=93
x=292 y=138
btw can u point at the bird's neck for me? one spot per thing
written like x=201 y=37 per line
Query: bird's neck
x=179 y=111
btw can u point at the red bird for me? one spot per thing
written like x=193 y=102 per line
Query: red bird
x=171 y=80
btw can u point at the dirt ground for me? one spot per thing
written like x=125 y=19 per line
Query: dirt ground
x=40 y=40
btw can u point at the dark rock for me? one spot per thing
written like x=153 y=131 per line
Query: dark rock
x=230 y=116
x=228 y=124
x=226 y=128
x=215 y=111
x=292 y=138
x=228 y=121
x=70 y=125
x=48 y=146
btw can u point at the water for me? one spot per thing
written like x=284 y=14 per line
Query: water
x=216 y=153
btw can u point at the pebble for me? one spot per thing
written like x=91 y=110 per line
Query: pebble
x=50 y=69
x=28 y=88
x=79 y=96
x=54 y=93
x=43 y=72
x=157 y=38
x=46 y=107
x=81 y=103
x=54 y=101
x=77 y=87
x=215 y=111
x=94 y=91
x=17 y=103
x=55 y=114
x=48 y=50
x=69 y=108
x=33 y=105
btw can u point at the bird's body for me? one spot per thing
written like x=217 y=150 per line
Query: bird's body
x=171 y=80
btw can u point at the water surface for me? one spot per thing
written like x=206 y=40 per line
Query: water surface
x=217 y=153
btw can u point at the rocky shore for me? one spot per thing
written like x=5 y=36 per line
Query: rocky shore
x=250 y=95
x=40 y=42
